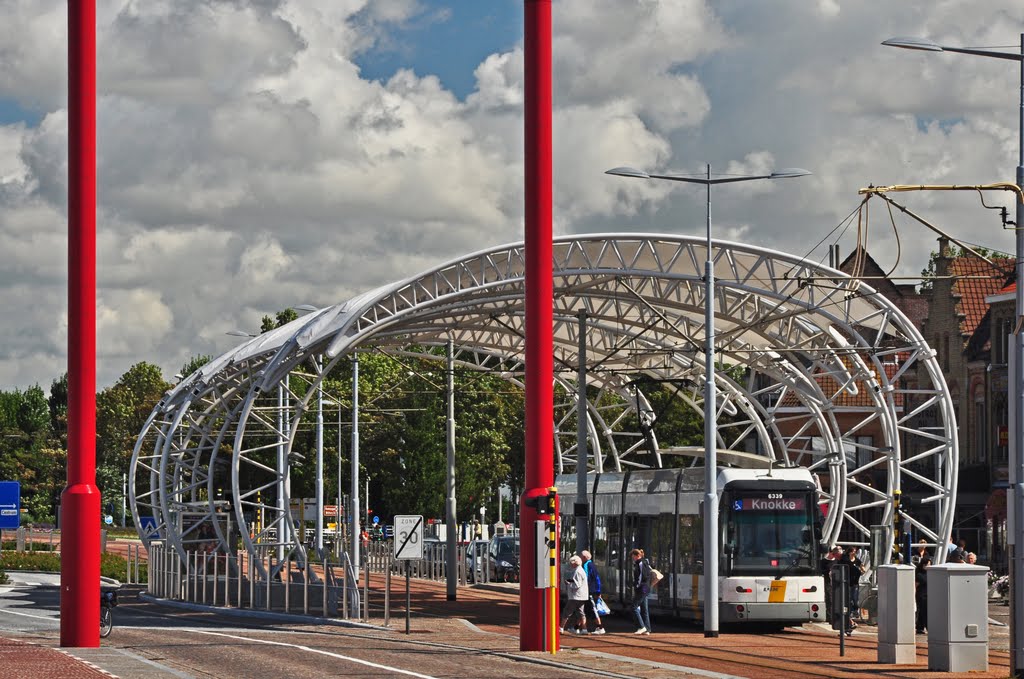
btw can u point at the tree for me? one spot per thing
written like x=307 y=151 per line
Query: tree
x=121 y=413
x=58 y=403
x=193 y=364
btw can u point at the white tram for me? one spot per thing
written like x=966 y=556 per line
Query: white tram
x=769 y=528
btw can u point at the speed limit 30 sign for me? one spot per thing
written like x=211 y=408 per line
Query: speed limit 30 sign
x=408 y=537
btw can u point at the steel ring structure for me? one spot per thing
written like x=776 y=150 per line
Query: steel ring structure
x=811 y=362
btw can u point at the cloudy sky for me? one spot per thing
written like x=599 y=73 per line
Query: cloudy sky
x=257 y=154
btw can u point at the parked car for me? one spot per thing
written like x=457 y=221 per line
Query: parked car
x=476 y=557
x=503 y=559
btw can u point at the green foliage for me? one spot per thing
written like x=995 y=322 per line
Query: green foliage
x=30 y=561
x=193 y=364
x=35 y=546
x=58 y=403
x=121 y=412
x=111 y=565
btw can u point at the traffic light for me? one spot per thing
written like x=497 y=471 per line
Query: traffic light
x=543 y=504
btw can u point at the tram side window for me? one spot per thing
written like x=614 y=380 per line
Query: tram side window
x=660 y=550
x=690 y=537
x=567 y=537
x=600 y=546
x=614 y=537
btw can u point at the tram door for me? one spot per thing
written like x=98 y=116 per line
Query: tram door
x=636 y=533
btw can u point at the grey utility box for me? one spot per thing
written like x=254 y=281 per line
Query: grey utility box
x=957 y=618
x=896 y=640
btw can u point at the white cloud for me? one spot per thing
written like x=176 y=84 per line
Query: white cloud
x=245 y=165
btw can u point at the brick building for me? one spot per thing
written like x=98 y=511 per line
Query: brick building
x=959 y=327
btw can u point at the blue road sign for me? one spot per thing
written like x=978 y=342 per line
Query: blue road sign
x=10 y=505
x=376 y=519
x=148 y=526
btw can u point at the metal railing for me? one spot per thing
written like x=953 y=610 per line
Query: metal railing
x=296 y=585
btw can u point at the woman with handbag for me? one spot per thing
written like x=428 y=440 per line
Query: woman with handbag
x=641 y=588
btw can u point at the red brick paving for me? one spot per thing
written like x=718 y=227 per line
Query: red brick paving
x=24 y=660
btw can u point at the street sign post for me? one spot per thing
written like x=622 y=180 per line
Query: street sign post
x=408 y=546
x=408 y=537
x=10 y=505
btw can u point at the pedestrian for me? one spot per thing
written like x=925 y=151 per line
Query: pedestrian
x=972 y=558
x=854 y=569
x=594 y=591
x=641 y=588
x=577 y=595
x=826 y=565
x=920 y=552
x=921 y=592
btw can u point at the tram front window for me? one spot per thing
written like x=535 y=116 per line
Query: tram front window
x=768 y=533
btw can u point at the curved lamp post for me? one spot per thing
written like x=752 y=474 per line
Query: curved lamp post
x=1016 y=367
x=710 y=408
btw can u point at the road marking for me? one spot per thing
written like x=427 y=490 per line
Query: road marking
x=315 y=650
x=29 y=615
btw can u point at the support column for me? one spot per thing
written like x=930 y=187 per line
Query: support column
x=451 y=546
x=581 y=509
x=533 y=624
x=80 y=500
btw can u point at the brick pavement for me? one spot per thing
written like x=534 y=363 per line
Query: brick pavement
x=25 y=660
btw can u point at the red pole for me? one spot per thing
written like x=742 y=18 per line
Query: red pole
x=539 y=316
x=80 y=501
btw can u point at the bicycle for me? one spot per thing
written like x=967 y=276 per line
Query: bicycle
x=108 y=599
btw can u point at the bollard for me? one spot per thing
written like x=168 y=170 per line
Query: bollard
x=270 y=565
x=305 y=585
x=286 y=580
x=387 y=594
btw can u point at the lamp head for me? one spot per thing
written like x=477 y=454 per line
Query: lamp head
x=625 y=171
x=788 y=172
x=913 y=44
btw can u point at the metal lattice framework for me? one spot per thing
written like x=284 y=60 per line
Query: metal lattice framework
x=811 y=360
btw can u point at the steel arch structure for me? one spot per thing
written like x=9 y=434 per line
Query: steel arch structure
x=811 y=360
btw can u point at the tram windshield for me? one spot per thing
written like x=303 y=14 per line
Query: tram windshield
x=769 y=533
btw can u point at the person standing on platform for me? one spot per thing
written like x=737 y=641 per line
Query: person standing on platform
x=921 y=592
x=854 y=569
x=594 y=590
x=827 y=563
x=577 y=594
x=641 y=588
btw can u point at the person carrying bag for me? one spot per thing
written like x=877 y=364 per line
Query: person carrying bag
x=595 y=603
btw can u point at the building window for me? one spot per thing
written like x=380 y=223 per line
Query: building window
x=980 y=451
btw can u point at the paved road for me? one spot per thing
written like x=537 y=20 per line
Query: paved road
x=152 y=640
x=155 y=641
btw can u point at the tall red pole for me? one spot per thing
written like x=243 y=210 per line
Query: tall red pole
x=80 y=501
x=540 y=466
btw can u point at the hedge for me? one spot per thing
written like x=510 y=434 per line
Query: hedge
x=111 y=565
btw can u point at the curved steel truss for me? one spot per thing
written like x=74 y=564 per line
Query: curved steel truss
x=817 y=369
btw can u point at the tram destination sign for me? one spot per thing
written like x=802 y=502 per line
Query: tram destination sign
x=770 y=502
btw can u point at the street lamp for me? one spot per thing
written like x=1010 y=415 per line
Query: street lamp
x=1016 y=363
x=710 y=409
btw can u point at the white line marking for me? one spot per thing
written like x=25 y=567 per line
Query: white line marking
x=314 y=650
x=29 y=615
